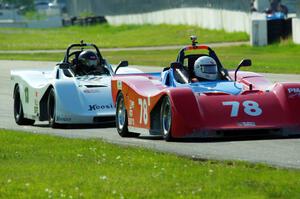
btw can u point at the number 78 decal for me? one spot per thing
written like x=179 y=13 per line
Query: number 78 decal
x=144 y=110
x=250 y=108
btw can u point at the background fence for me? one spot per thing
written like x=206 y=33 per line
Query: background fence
x=123 y=7
x=230 y=15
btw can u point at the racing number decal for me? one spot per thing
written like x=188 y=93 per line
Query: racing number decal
x=143 y=111
x=234 y=109
x=250 y=108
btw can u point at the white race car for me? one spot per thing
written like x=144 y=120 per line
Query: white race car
x=77 y=91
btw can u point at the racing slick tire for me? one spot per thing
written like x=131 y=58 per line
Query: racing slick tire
x=166 y=119
x=51 y=106
x=18 y=109
x=121 y=118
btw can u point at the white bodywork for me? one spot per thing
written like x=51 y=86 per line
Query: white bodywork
x=79 y=100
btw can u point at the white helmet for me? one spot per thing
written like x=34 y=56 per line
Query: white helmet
x=206 y=67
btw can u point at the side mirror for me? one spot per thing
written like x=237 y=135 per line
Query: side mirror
x=121 y=64
x=243 y=63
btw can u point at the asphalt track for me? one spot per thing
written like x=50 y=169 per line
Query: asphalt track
x=274 y=151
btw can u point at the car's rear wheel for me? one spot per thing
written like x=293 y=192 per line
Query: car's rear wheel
x=51 y=106
x=121 y=118
x=166 y=119
x=18 y=109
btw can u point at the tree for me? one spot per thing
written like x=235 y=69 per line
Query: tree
x=17 y=3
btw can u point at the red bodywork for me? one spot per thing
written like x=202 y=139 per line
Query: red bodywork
x=204 y=115
x=260 y=106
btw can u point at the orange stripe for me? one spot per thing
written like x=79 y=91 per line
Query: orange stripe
x=196 y=48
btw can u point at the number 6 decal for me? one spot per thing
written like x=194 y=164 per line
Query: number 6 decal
x=250 y=108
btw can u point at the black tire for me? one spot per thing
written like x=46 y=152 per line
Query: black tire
x=122 y=119
x=18 y=109
x=51 y=107
x=166 y=119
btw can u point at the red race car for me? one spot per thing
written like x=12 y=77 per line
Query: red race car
x=197 y=97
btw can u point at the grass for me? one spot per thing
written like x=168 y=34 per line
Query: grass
x=271 y=59
x=110 y=36
x=277 y=58
x=41 y=166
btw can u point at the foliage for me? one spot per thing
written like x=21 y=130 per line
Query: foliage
x=33 y=15
x=28 y=3
x=86 y=14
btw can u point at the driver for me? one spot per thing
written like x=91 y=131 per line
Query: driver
x=205 y=68
x=88 y=63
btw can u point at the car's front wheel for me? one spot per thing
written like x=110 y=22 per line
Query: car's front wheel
x=166 y=119
x=51 y=106
x=121 y=118
x=18 y=109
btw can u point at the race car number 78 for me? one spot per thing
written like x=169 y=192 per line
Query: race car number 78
x=250 y=108
x=144 y=110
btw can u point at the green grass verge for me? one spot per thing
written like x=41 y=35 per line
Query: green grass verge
x=110 y=36
x=271 y=59
x=279 y=58
x=40 y=166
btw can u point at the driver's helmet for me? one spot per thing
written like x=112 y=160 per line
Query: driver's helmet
x=206 y=67
x=88 y=60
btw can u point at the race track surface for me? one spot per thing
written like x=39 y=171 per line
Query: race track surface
x=274 y=151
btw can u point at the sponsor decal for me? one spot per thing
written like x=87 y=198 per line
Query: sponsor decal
x=36 y=110
x=246 y=124
x=131 y=121
x=89 y=78
x=36 y=106
x=119 y=85
x=130 y=113
x=63 y=118
x=26 y=91
x=293 y=92
x=131 y=108
x=91 y=91
x=95 y=107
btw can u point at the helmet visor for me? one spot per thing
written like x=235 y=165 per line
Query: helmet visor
x=92 y=62
x=209 y=68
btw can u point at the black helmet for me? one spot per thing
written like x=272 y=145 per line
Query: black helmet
x=88 y=60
